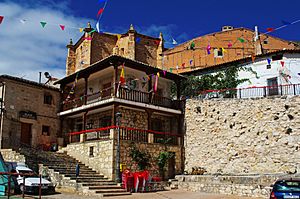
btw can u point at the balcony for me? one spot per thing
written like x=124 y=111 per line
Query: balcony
x=126 y=134
x=124 y=94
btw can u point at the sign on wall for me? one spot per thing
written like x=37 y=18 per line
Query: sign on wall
x=28 y=115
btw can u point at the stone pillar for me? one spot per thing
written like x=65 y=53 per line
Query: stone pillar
x=159 y=55
x=84 y=119
x=150 y=138
x=131 y=43
x=70 y=64
x=86 y=80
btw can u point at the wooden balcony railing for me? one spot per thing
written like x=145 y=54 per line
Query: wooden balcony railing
x=130 y=95
x=126 y=133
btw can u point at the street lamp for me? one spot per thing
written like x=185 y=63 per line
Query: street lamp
x=118 y=118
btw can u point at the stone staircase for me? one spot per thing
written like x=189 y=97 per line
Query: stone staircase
x=90 y=181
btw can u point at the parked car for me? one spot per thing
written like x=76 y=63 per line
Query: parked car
x=32 y=182
x=286 y=188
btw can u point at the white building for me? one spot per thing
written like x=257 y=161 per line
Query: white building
x=276 y=73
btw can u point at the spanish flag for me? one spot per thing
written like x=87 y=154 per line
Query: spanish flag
x=122 y=76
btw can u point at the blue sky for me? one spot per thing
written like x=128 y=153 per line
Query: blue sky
x=27 y=49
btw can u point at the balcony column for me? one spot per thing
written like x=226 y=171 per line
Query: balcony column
x=150 y=89
x=115 y=80
x=86 y=80
x=178 y=89
x=84 y=119
x=150 y=135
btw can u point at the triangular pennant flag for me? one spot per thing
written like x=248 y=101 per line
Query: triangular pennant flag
x=282 y=63
x=241 y=40
x=165 y=72
x=80 y=29
x=43 y=24
x=62 y=27
x=191 y=62
x=177 y=67
x=98 y=26
x=286 y=23
x=270 y=29
x=23 y=21
x=119 y=36
x=171 y=70
x=208 y=47
x=223 y=50
x=158 y=75
x=138 y=40
x=100 y=11
x=174 y=42
x=157 y=42
x=156 y=83
x=229 y=45
x=92 y=32
x=208 y=52
x=1 y=19
x=269 y=61
x=192 y=45
x=183 y=65
x=253 y=57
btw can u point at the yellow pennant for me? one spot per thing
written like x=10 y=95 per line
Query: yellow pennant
x=158 y=75
x=119 y=37
x=223 y=50
x=80 y=29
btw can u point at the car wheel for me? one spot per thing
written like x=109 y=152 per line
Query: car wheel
x=22 y=188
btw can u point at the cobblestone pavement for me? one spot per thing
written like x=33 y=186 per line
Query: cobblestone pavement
x=176 y=194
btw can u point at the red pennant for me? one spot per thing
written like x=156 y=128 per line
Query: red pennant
x=253 y=58
x=282 y=63
x=62 y=27
x=100 y=12
x=270 y=29
x=183 y=65
x=1 y=19
x=157 y=42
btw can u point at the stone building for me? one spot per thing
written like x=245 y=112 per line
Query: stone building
x=220 y=47
x=29 y=113
x=94 y=92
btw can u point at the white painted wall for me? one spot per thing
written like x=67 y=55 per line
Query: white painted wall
x=291 y=68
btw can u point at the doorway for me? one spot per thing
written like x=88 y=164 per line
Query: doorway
x=26 y=133
x=171 y=166
x=273 y=86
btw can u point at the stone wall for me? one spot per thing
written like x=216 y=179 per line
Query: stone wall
x=101 y=160
x=253 y=186
x=154 y=150
x=12 y=156
x=232 y=136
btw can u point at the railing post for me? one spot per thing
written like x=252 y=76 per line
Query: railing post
x=281 y=90
x=265 y=92
x=240 y=93
x=150 y=138
x=294 y=88
x=179 y=141
x=40 y=187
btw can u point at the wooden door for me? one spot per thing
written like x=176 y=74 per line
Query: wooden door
x=171 y=167
x=273 y=86
x=26 y=133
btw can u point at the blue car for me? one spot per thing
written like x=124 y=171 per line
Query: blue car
x=286 y=188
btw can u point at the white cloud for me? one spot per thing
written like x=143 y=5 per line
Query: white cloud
x=27 y=49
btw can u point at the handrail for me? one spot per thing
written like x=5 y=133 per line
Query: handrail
x=123 y=127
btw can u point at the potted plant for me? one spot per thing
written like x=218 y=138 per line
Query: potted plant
x=162 y=160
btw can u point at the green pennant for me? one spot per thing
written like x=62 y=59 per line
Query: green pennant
x=192 y=45
x=92 y=32
x=171 y=70
x=43 y=24
x=241 y=40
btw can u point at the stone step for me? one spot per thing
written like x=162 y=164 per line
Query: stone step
x=103 y=183
x=87 y=180
x=115 y=194
x=81 y=175
x=105 y=187
x=110 y=191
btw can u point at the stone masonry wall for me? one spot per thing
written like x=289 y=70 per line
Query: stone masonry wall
x=233 y=136
x=154 y=150
x=12 y=156
x=102 y=159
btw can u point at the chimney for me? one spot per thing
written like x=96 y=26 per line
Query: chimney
x=257 y=44
x=226 y=28
x=70 y=65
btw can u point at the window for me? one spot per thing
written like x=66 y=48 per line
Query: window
x=47 y=98
x=91 y=152
x=218 y=52
x=266 y=41
x=269 y=66
x=272 y=86
x=46 y=130
x=277 y=57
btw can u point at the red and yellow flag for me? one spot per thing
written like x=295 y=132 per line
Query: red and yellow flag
x=122 y=76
